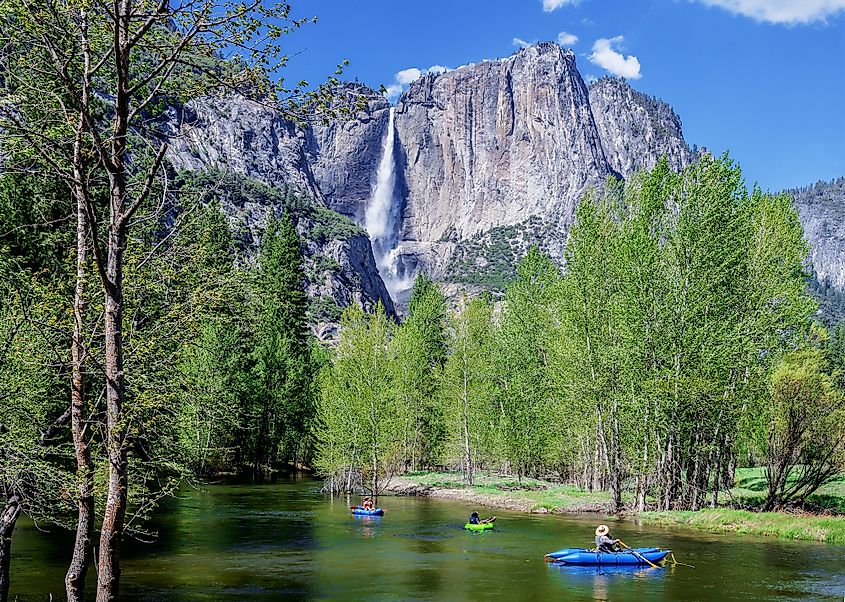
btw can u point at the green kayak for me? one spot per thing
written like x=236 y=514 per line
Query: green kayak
x=479 y=527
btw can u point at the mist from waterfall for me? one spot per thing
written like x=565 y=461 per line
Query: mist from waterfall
x=382 y=216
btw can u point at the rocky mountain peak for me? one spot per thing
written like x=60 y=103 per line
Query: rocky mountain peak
x=491 y=145
x=636 y=129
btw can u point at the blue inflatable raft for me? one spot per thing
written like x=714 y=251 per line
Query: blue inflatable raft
x=583 y=557
x=373 y=512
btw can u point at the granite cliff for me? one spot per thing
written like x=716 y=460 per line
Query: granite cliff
x=489 y=158
x=256 y=162
x=821 y=208
x=510 y=143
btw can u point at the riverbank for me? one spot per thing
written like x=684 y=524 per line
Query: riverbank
x=783 y=525
x=543 y=497
x=531 y=495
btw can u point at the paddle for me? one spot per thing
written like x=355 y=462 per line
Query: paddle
x=681 y=563
x=637 y=554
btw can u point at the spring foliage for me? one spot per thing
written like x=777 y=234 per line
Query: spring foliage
x=650 y=365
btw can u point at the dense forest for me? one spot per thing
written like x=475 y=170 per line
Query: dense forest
x=143 y=343
x=139 y=345
x=677 y=344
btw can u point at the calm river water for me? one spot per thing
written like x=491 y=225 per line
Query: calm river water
x=287 y=541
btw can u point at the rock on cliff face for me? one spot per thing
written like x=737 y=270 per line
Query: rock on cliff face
x=344 y=155
x=636 y=130
x=242 y=136
x=266 y=157
x=821 y=208
x=494 y=143
x=490 y=157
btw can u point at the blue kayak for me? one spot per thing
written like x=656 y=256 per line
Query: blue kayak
x=373 y=512
x=581 y=557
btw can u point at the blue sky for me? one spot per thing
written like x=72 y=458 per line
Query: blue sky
x=763 y=79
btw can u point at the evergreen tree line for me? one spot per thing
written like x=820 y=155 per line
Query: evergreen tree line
x=677 y=344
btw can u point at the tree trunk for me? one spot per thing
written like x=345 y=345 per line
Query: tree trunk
x=115 y=511
x=467 y=449
x=111 y=531
x=82 y=549
x=7 y=525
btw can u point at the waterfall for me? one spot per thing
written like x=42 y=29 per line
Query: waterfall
x=382 y=216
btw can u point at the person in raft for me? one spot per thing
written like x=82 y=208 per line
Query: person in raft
x=604 y=541
x=474 y=520
x=367 y=504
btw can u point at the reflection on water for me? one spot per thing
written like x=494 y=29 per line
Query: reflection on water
x=366 y=524
x=287 y=541
x=602 y=580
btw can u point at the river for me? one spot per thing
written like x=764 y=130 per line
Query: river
x=287 y=541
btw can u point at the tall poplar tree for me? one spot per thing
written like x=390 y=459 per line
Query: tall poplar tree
x=420 y=352
x=522 y=354
x=469 y=386
x=360 y=428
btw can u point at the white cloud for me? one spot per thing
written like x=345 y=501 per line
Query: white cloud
x=393 y=92
x=566 y=39
x=520 y=43
x=406 y=76
x=604 y=55
x=550 y=5
x=787 y=12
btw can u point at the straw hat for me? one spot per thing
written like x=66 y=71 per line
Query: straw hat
x=602 y=530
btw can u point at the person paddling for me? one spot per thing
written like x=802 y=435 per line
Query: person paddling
x=474 y=520
x=604 y=541
x=367 y=504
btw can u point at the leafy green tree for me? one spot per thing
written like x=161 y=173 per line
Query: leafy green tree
x=591 y=353
x=805 y=447
x=32 y=465
x=420 y=351
x=83 y=88
x=837 y=347
x=468 y=386
x=360 y=432
x=524 y=337
x=679 y=291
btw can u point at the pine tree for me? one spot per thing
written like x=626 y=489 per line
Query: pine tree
x=282 y=407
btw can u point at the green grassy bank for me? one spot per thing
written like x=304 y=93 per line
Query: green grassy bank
x=783 y=525
x=533 y=495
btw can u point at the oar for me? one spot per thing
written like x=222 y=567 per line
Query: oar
x=681 y=563
x=637 y=554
